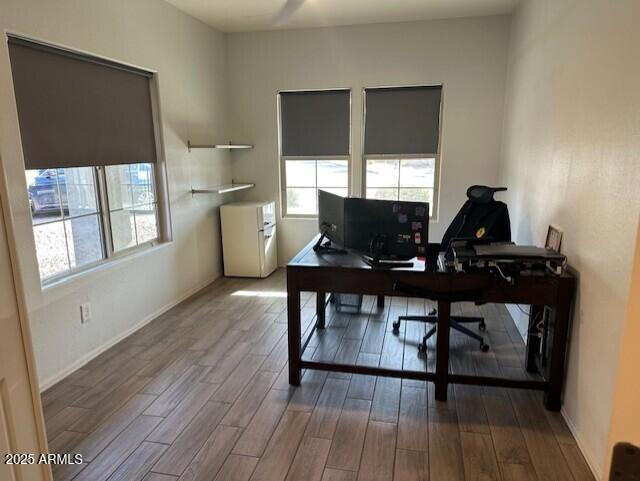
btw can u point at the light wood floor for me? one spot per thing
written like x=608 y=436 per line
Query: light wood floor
x=201 y=394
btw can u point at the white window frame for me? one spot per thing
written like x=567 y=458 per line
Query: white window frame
x=63 y=219
x=434 y=155
x=400 y=158
x=104 y=221
x=283 y=177
x=110 y=252
x=284 y=158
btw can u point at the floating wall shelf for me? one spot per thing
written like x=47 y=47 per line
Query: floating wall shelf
x=222 y=189
x=228 y=146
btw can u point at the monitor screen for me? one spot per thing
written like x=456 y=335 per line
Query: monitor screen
x=331 y=216
x=399 y=228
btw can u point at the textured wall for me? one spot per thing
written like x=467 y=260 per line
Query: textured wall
x=570 y=157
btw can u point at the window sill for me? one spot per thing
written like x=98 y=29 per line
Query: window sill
x=72 y=281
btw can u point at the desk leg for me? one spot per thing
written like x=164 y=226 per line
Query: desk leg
x=442 y=350
x=381 y=302
x=553 y=396
x=321 y=304
x=293 y=319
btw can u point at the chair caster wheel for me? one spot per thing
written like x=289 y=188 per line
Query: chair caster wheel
x=482 y=326
x=484 y=347
x=396 y=326
x=422 y=348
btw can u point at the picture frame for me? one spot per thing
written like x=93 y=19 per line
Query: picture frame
x=554 y=238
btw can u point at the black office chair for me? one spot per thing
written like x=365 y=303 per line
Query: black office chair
x=480 y=217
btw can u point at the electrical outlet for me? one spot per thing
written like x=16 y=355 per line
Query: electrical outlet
x=85 y=312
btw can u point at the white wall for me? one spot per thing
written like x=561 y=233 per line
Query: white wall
x=191 y=62
x=570 y=157
x=467 y=55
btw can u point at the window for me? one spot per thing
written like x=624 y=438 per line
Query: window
x=401 y=179
x=402 y=144
x=66 y=219
x=305 y=177
x=132 y=205
x=315 y=147
x=87 y=127
x=70 y=229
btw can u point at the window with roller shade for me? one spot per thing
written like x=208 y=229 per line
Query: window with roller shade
x=87 y=127
x=315 y=129
x=402 y=143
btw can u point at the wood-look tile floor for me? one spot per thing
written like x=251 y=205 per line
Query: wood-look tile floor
x=202 y=394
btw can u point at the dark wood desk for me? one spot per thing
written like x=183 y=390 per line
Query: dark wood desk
x=347 y=273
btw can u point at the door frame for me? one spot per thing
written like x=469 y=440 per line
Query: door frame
x=23 y=316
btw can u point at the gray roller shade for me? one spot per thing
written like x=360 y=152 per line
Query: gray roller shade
x=76 y=110
x=402 y=120
x=315 y=123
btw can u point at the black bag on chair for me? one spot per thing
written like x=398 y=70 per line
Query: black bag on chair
x=481 y=217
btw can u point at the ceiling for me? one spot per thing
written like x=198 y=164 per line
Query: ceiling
x=249 y=15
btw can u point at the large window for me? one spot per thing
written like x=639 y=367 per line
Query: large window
x=70 y=225
x=315 y=147
x=402 y=144
x=88 y=131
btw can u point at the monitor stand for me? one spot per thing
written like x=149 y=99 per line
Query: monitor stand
x=375 y=259
x=326 y=248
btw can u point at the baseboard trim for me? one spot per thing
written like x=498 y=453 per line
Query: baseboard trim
x=52 y=380
x=595 y=470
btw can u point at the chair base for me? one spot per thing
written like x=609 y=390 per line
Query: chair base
x=455 y=322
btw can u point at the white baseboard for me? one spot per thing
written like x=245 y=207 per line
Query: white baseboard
x=51 y=380
x=595 y=469
x=514 y=312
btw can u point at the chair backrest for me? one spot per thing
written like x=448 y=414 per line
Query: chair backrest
x=481 y=217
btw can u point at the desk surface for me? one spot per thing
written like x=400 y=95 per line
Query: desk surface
x=307 y=257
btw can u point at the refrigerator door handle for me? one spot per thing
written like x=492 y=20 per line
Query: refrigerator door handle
x=267 y=226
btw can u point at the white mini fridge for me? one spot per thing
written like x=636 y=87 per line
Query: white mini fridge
x=249 y=239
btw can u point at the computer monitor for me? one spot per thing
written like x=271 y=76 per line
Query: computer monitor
x=382 y=229
x=331 y=216
x=387 y=229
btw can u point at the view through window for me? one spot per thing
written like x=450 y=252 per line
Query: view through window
x=305 y=177
x=71 y=233
x=411 y=179
x=132 y=205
